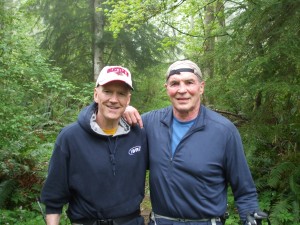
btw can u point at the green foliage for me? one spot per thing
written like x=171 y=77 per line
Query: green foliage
x=233 y=218
x=68 y=37
x=255 y=82
x=6 y=188
x=35 y=103
x=285 y=177
x=22 y=216
x=150 y=82
x=257 y=78
x=130 y=15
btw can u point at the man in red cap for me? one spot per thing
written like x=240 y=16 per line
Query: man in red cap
x=99 y=162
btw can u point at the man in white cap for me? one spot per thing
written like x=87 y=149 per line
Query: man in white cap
x=194 y=153
x=99 y=162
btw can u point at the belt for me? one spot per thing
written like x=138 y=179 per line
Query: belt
x=115 y=221
x=156 y=216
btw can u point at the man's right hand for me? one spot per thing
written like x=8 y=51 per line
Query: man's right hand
x=256 y=218
x=250 y=220
x=132 y=116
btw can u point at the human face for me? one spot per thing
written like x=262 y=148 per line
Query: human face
x=184 y=91
x=112 y=99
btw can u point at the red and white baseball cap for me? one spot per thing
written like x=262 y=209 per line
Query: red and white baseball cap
x=114 y=73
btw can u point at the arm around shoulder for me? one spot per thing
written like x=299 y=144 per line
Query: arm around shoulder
x=132 y=116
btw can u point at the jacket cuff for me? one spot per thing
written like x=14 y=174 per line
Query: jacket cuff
x=51 y=210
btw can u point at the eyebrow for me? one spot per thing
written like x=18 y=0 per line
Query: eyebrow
x=183 y=80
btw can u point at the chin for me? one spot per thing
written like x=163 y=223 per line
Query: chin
x=113 y=117
x=182 y=110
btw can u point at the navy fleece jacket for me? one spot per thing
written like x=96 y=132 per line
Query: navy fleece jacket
x=99 y=176
x=192 y=183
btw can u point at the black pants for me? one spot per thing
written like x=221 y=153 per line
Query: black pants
x=138 y=220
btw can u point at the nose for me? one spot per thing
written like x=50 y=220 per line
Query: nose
x=181 y=88
x=113 y=98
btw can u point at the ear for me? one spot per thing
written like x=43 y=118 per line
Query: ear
x=129 y=97
x=96 y=95
x=166 y=88
x=202 y=85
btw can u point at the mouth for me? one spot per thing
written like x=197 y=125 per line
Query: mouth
x=182 y=99
x=112 y=107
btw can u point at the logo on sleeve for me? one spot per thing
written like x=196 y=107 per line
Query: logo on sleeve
x=134 y=150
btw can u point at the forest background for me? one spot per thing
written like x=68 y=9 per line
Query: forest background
x=51 y=51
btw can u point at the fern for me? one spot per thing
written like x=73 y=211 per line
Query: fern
x=295 y=182
x=284 y=213
x=6 y=189
x=285 y=181
x=280 y=173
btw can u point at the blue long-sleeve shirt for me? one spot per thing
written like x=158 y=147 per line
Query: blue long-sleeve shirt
x=192 y=183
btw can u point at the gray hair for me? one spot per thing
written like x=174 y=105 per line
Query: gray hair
x=184 y=66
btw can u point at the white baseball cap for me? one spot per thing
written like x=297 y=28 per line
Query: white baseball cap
x=114 y=73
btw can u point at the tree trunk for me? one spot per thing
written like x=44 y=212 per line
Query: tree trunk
x=213 y=10
x=209 y=43
x=220 y=11
x=98 y=30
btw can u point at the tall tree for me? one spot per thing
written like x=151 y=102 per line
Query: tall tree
x=194 y=25
x=68 y=36
x=79 y=39
x=98 y=32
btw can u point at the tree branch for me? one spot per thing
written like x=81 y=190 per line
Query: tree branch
x=191 y=35
x=231 y=114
